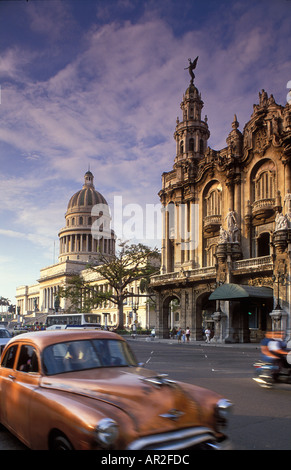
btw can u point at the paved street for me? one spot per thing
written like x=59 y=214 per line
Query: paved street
x=261 y=418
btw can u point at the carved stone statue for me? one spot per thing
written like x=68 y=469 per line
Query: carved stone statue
x=223 y=236
x=281 y=222
x=231 y=221
x=232 y=227
x=263 y=98
x=191 y=67
x=287 y=201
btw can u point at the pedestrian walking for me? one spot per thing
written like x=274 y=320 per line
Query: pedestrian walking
x=183 y=336
x=188 y=334
x=207 y=334
x=179 y=335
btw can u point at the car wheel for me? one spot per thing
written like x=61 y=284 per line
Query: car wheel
x=61 y=443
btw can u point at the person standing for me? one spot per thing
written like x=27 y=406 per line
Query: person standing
x=184 y=336
x=179 y=335
x=207 y=334
x=188 y=334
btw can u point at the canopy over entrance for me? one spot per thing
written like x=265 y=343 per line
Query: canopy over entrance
x=238 y=291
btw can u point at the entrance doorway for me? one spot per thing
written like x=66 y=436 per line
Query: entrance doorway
x=259 y=320
x=204 y=311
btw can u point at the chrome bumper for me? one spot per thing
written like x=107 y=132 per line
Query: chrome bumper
x=186 y=439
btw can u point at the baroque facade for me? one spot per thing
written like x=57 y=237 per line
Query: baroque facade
x=227 y=226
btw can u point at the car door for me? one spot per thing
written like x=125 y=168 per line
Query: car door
x=6 y=375
x=18 y=385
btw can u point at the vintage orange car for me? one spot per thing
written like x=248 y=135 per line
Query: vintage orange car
x=80 y=389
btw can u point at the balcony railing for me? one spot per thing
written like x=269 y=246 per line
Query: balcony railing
x=253 y=262
x=208 y=270
x=212 y=223
x=211 y=270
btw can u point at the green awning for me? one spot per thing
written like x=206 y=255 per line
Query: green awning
x=238 y=291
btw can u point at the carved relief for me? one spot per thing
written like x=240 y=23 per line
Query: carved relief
x=260 y=140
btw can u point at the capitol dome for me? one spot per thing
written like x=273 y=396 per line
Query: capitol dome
x=78 y=242
x=86 y=197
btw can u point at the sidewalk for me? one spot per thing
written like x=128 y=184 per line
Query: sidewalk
x=148 y=339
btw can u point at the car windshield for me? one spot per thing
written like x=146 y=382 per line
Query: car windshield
x=86 y=354
x=4 y=333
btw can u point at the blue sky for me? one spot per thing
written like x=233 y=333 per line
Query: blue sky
x=88 y=83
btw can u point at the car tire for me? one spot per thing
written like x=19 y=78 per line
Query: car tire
x=61 y=443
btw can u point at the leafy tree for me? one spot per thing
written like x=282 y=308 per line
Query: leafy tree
x=4 y=302
x=131 y=263
x=78 y=292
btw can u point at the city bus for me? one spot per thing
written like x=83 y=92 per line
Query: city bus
x=73 y=320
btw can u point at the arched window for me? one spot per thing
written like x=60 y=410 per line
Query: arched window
x=264 y=182
x=182 y=147
x=191 y=145
x=213 y=200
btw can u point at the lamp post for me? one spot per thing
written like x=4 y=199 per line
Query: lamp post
x=278 y=278
x=216 y=316
x=278 y=315
x=134 y=306
x=105 y=320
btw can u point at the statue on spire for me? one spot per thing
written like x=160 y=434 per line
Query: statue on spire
x=191 y=67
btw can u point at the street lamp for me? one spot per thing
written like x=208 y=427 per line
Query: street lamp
x=278 y=278
x=134 y=306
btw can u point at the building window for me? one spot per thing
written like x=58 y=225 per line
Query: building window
x=191 y=145
x=263 y=244
x=213 y=200
x=211 y=260
x=264 y=182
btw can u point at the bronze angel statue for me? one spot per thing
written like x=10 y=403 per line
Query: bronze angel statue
x=191 y=67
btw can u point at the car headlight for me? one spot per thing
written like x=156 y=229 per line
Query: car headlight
x=107 y=432
x=223 y=409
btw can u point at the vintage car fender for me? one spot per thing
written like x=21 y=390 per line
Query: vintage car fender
x=74 y=415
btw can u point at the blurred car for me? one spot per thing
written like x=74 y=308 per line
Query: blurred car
x=69 y=389
x=5 y=336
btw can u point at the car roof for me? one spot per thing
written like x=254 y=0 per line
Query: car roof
x=45 y=338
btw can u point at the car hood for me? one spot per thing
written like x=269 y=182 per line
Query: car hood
x=151 y=400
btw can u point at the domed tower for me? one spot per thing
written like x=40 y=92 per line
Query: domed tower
x=192 y=133
x=79 y=240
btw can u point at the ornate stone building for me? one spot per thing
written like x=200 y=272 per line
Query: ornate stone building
x=227 y=226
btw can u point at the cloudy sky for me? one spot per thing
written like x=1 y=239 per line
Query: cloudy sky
x=98 y=84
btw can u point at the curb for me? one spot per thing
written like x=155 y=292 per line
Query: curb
x=148 y=339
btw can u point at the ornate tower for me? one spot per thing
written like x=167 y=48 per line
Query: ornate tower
x=179 y=245
x=192 y=133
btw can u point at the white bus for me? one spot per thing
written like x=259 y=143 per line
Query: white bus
x=73 y=320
